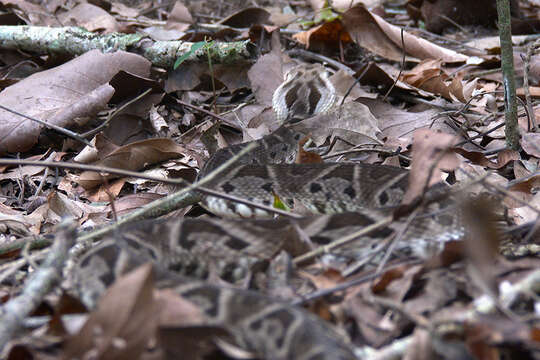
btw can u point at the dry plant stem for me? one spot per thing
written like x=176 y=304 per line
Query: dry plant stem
x=372 y=253
x=17 y=245
x=344 y=240
x=321 y=58
x=56 y=128
x=528 y=102
x=38 y=285
x=348 y=284
x=507 y=64
x=170 y=203
x=398 y=237
x=73 y=41
x=104 y=169
x=400 y=69
x=355 y=150
x=199 y=109
x=113 y=114
x=417 y=318
x=482 y=134
x=183 y=198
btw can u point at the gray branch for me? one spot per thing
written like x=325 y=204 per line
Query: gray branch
x=75 y=41
x=13 y=313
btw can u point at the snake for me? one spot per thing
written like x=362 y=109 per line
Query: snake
x=343 y=196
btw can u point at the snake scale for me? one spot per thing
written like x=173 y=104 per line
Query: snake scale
x=182 y=249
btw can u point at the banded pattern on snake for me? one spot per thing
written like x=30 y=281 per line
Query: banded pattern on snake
x=268 y=327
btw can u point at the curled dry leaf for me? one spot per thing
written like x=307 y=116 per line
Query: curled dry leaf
x=503 y=157
x=384 y=39
x=328 y=35
x=429 y=76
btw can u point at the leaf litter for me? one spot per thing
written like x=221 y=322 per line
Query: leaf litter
x=468 y=302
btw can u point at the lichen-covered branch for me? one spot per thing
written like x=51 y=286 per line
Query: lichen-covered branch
x=38 y=284
x=75 y=41
x=507 y=64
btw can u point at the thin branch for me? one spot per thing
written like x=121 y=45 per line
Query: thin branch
x=56 y=128
x=113 y=114
x=37 y=286
x=344 y=240
x=105 y=169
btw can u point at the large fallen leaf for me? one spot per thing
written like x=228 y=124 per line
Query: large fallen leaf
x=384 y=39
x=59 y=95
x=90 y=17
x=398 y=123
x=352 y=122
x=124 y=322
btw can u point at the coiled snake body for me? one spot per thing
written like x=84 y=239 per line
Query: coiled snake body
x=268 y=327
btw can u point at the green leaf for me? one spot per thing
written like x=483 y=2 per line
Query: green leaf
x=196 y=46
x=278 y=204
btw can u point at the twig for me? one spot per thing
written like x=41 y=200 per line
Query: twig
x=397 y=238
x=526 y=67
x=72 y=41
x=166 y=204
x=113 y=114
x=417 y=318
x=351 y=283
x=38 y=285
x=56 y=128
x=318 y=57
x=344 y=240
x=400 y=69
x=105 y=169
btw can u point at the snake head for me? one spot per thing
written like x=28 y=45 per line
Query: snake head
x=305 y=92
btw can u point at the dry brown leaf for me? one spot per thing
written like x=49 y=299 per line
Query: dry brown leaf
x=76 y=88
x=343 y=82
x=306 y=157
x=128 y=203
x=429 y=76
x=91 y=17
x=105 y=192
x=431 y=153
x=534 y=91
x=530 y=142
x=384 y=39
x=380 y=284
x=329 y=35
x=352 y=122
x=265 y=76
x=182 y=327
x=33 y=14
x=503 y=157
x=124 y=322
x=328 y=279
x=179 y=18
x=134 y=156
x=398 y=123
x=246 y=18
